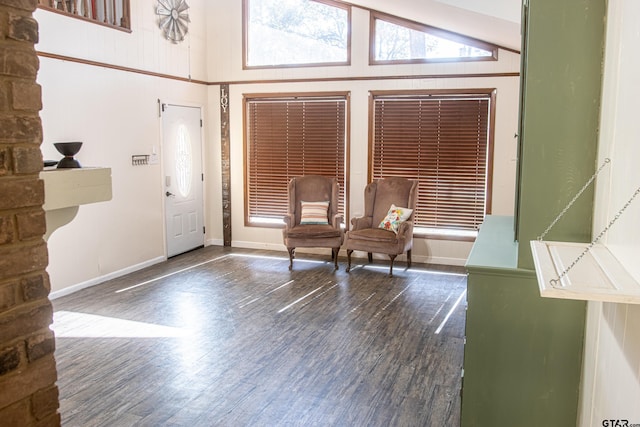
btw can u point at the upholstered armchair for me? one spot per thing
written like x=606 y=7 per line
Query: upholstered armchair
x=313 y=219
x=394 y=201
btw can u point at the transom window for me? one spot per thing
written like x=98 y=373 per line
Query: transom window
x=281 y=33
x=289 y=136
x=443 y=140
x=396 y=40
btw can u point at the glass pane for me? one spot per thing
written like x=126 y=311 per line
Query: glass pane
x=184 y=161
x=398 y=43
x=285 y=32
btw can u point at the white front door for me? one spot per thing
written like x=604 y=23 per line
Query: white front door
x=182 y=153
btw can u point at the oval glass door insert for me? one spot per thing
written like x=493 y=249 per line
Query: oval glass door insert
x=184 y=161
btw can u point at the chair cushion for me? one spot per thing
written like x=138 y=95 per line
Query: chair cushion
x=374 y=235
x=394 y=218
x=314 y=212
x=313 y=231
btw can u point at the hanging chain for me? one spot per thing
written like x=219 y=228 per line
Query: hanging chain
x=554 y=282
x=566 y=208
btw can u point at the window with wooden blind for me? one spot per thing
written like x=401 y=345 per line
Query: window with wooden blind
x=444 y=140
x=289 y=136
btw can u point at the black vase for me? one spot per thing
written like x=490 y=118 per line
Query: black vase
x=68 y=150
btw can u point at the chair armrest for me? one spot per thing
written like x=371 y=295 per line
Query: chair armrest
x=337 y=220
x=361 y=222
x=288 y=221
x=406 y=228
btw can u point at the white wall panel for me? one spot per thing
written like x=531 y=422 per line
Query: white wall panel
x=611 y=369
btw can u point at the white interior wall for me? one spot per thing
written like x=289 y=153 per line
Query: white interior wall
x=143 y=48
x=115 y=113
x=226 y=37
x=425 y=250
x=508 y=10
x=611 y=370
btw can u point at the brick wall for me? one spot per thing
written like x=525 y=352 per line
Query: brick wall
x=28 y=394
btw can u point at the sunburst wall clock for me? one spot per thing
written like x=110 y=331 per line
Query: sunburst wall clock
x=174 y=19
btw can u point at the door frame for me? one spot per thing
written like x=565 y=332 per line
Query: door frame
x=161 y=105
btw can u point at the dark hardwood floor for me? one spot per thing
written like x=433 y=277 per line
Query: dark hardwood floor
x=231 y=337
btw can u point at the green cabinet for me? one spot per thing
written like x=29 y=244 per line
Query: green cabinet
x=523 y=353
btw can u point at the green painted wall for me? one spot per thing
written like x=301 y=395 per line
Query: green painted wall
x=523 y=353
x=562 y=61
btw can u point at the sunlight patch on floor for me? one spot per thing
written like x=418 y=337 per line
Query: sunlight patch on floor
x=69 y=324
x=171 y=274
x=312 y=261
x=412 y=270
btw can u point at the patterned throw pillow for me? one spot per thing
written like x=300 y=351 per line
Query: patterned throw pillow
x=395 y=217
x=314 y=213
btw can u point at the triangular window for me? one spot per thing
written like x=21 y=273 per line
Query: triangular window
x=395 y=40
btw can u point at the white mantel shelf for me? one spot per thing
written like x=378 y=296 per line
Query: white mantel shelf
x=597 y=276
x=66 y=189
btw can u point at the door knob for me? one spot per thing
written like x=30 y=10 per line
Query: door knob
x=169 y=194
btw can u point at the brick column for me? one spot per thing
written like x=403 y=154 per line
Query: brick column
x=28 y=394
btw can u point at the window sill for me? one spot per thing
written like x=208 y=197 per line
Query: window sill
x=264 y=223
x=452 y=235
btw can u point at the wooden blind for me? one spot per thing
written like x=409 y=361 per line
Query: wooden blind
x=288 y=138
x=442 y=142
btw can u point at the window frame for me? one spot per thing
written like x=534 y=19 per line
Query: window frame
x=245 y=40
x=437 y=32
x=490 y=94
x=298 y=96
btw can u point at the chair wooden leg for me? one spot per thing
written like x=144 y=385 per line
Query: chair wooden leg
x=334 y=256
x=349 y=251
x=409 y=258
x=291 y=255
x=392 y=257
x=370 y=256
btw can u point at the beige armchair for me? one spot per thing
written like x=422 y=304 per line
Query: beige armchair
x=313 y=219
x=366 y=235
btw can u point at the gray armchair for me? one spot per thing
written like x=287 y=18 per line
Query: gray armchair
x=365 y=234
x=306 y=224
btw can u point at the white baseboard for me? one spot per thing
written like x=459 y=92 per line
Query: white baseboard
x=460 y=262
x=356 y=254
x=101 y=279
x=255 y=245
x=214 y=242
